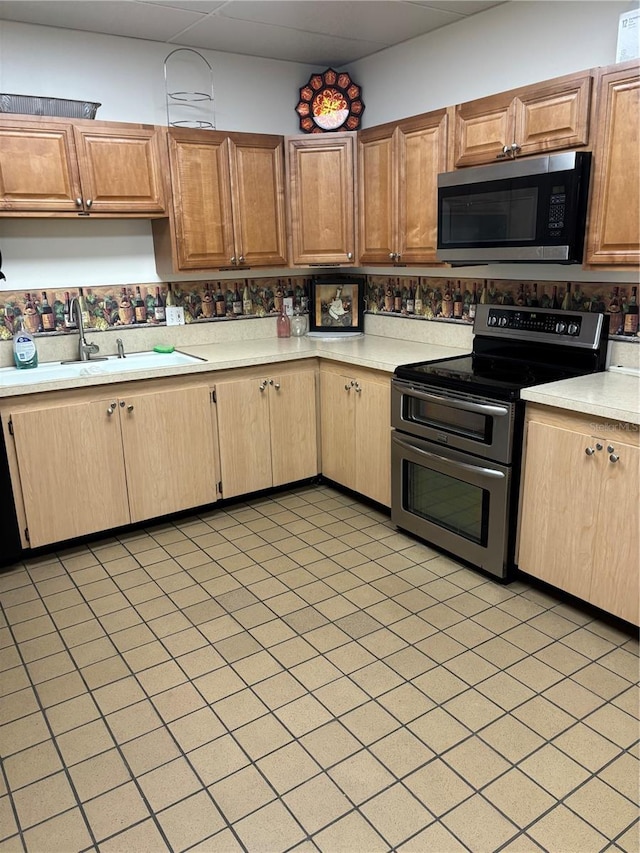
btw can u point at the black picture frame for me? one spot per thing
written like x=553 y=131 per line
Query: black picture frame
x=336 y=305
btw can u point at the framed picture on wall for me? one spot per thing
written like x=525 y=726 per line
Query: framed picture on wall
x=336 y=306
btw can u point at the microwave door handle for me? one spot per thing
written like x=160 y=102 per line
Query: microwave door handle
x=480 y=408
x=489 y=473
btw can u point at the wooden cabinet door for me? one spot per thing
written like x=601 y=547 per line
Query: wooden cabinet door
x=378 y=195
x=559 y=509
x=613 y=234
x=168 y=451
x=292 y=408
x=121 y=168
x=421 y=156
x=615 y=582
x=373 y=439
x=320 y=171
x=338 y=432
x=553 y=117
x=257 y=190
x=71 y=470
x=244 y=434
x=202 y=216
x=38 y=168
x=483 y=128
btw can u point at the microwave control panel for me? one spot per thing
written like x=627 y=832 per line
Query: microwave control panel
x=557 y=210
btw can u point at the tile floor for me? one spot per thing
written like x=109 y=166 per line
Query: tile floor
x=294 y=674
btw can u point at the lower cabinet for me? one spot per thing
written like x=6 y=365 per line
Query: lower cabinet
x=267 y=429
x=579 y=512
x=95 y=464
x=356 y=431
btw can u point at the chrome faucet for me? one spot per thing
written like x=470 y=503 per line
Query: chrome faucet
x=85 y=350
x=120 y=345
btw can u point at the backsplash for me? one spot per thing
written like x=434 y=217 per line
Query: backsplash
x=45 y=312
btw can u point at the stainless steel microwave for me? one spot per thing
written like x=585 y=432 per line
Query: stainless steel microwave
x=522 y=211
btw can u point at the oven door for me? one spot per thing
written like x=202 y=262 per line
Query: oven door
x=484 y=428
x=456 y=502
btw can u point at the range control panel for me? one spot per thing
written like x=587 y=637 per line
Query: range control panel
x=552 y=322
x=543 y=325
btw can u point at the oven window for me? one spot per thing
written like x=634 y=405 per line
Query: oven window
x=441 y=416
x=446 y=501
x=500 y=216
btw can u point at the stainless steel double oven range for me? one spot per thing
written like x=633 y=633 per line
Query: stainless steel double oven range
x=456 y=443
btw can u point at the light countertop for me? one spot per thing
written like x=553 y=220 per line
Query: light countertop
x=607 y=395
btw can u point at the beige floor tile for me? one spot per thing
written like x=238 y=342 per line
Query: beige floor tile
x=439 y=684
x=32 y=764
x=406 y=702
x=505 y=691
x=500 y=652
x=534 y=673
x=473 y=709
x=241 y=793
x=315 y=672
x=629 y=701
x=191 y=821
x=563 y=830
x=479 y=825
x=200 y=662
x=434 y=837
x=279 y=690
x=614 y=724
x=177 y=702
x=18 y=704
x=133 y=721
x=602 y=807
x=149 y=751
x=361 y=776
x=543 y=717
x=573 y=698
x=131 y=638
x=50 y=667
x=262 y=736
x=144 y=657
x=303 y=715
x=84 y=632
x=8 y=825
x=439 y=730
x=348 y=834
x=99 y=774
x=275 y=632
x=623 y=662
x=288 y=767
x=217 y=759
x=240 y=708
x=402 y=752
x=438 y=787
x=475 y=762
x=257 y=667
x=84 y=742
x=23 y=733
x=409 y=662
x=511 y=738
x=317 y=803
x=396 y=814
x=369 y=722
x=268 y=829
x=43 y=799
x=336 y=607
x=105 y=672
x=118 y=695
x=518 y=797
x=601 y=680
x=587 y=643
x=330 y=743
x=60 y=834
x=623 y=774
x=377 y=678
x=341 y=695
x=40 y=647
x=169 y=783
x=222 y=842
x=630 y=841
x=554 y=770
x=587 y=747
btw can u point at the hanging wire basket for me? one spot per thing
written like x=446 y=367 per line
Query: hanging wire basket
x=190 y=107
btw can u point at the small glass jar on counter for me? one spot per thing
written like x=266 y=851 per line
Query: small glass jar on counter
x=299 y=323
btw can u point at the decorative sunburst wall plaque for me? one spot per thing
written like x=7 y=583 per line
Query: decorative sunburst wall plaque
x=330 y=101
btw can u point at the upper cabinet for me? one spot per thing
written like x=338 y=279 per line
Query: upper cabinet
x=532 y=120
x=398 y=166
x=613 y=236
x=320 y=172
x=228 y=202
x=53 y=167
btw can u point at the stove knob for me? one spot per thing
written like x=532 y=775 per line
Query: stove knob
x=561 y=328
x=491 y=320
x=573 y=329
x=502 y=321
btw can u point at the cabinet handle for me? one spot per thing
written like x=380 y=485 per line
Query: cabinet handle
x=241 y=259
x=130 y=407
x=263 y=385
x=589 y=451
x=78 y=202
x=89 y=202
x=122 y=404
x=276 y=385
x=349 y=256
x=613 y=458
x=610 y=448
x=234 y=260
x=358 y=388
x=111 y=409
x=347 y=387
x=598 y=446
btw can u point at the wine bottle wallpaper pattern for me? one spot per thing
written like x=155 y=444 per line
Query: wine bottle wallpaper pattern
x=46 y=312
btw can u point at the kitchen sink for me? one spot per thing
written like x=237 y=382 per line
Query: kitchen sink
x=53 y=371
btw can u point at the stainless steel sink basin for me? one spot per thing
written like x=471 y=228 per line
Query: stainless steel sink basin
x=56 y=370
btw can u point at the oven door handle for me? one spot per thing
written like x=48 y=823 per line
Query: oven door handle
x=489 y=473
x=480 y=408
